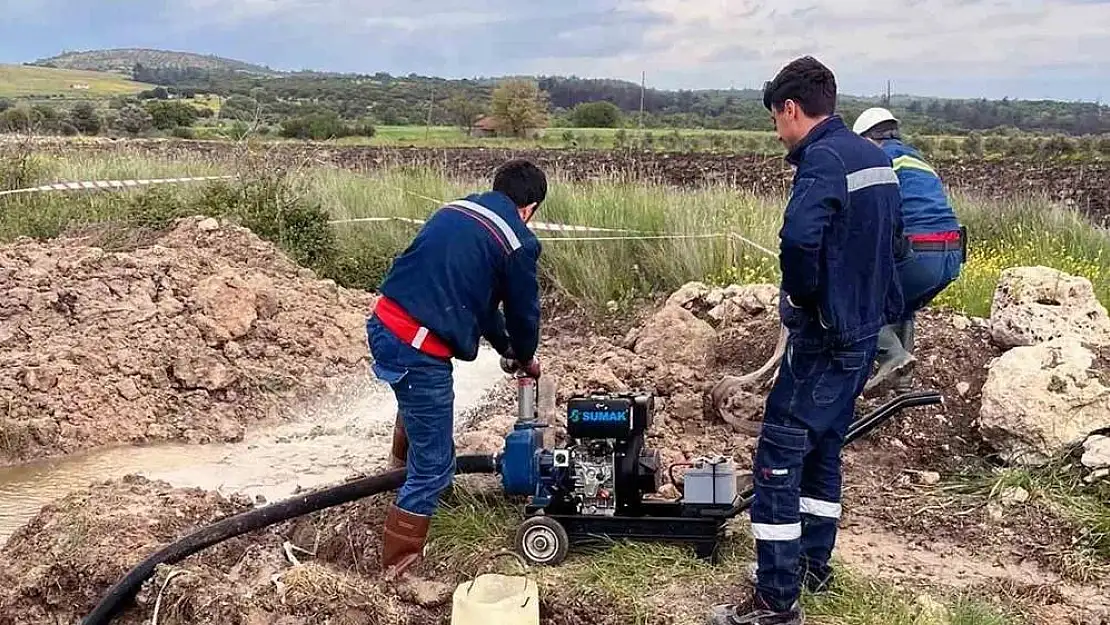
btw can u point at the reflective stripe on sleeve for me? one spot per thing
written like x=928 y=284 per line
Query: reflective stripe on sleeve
x=870 y=177
x=910 y=162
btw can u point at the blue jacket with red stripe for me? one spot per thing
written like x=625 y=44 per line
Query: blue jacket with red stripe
x=471 y=257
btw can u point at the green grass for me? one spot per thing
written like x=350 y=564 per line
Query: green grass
x=20 y=81
x=1059 y=486
x=646 y=581
x=597 y=272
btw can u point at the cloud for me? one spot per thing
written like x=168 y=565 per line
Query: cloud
x=937 y=47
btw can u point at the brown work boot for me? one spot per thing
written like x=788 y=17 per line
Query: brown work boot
x=400 y=451
x=402 y=541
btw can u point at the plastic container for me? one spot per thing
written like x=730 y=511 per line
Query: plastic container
x=495 y=599
x=711 y=481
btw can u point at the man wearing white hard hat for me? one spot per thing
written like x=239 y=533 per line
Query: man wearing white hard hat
x=937 y=244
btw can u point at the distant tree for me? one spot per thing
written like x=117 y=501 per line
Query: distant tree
x=463 y=111
x=995 y=144
x=518 y=106
x=85 y=119
x=601 y=114
x=317 y=126
x=169 y=114
x=134 y=119
x=973 y=144
x=5 y=104
x=1104 y=146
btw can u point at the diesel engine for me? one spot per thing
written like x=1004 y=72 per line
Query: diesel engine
x=604 y=468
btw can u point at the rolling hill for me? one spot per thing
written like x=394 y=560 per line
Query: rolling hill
x=123 y=61
x=24 y=81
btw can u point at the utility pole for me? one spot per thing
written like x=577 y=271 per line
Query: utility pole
x=888 y=93
x=431 y=104
x=643 y=82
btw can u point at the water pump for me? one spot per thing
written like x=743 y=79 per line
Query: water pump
x=598 y=484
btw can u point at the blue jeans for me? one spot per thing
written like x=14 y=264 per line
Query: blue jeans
x=797 y=464
x=924 y=275
x=425 y=393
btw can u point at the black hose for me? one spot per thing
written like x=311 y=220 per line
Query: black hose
x=259 y=518
x=860 y=428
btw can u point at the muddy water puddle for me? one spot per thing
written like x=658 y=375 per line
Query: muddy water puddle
x=351 y=436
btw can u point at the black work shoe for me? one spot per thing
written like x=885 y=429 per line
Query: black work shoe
x=755 y=612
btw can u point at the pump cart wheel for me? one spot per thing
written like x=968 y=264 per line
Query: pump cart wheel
x=542 y=541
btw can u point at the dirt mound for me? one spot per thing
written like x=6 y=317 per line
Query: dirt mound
x=194 y=336
x=54 y=568
x=321 y=568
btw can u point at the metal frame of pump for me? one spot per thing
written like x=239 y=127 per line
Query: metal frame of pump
x=550 y=527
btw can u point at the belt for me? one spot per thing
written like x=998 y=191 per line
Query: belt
x=937 y=241
x=409 y=330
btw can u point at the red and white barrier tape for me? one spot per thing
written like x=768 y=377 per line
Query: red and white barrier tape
x=109 y=184
x=630 y=235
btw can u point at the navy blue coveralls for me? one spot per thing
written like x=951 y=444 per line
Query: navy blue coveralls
x=839 y=288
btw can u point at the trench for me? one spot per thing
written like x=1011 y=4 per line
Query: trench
x=350 y=436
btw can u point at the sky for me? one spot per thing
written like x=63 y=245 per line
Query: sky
x=1057 y=49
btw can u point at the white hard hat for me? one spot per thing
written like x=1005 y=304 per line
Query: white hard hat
x=871 y=118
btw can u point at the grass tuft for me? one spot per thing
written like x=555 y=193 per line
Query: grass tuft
x=1060 y=486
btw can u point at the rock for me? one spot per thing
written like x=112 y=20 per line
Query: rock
x=928 y=478
x=686 y=407
x=425 y=593
x=1095 y=476
x=203 y=372
x=227 y=305
x=961 y=322
x=1096 y=452
x=688 y=294
x=602 y=377
x=669 y=491
x=963 y=388
x=745 y=302
x=39 y=378
x=675 y=336
x=1041 y=398
x=207 y=225
x=1014 y=495
x=128 y=389
x=995 y=512
x=1036 y=304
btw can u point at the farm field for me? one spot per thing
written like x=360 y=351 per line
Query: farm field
x=214 y=331
x=21 y=81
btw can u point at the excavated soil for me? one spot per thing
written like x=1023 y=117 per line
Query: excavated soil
x=53 y=569
x=322 y=568
x=1078 y=184
x=193 y=335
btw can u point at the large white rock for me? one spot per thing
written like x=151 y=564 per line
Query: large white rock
x=1096 y=452
x=1036 y=304
x=1040 y=398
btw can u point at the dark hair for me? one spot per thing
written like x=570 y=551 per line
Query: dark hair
x=883 y=130
x=807 y=82
x=522 y=181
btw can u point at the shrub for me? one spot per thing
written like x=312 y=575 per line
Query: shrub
x=273 y=208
